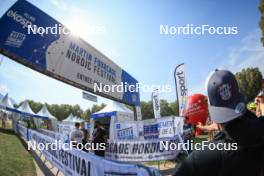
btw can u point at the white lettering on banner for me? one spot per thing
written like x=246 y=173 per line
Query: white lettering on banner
x=141 y=150
x=19 y=18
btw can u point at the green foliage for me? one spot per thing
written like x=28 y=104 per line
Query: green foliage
x=147 y=110
x=261 y=23
x=249 y=81
x=167 y=109
x=96 y=108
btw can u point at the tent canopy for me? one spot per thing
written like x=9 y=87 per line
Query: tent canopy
x=25 y=109
x=69 y=118
x=112 y=109
x=73 y=119
x=44 y=112
x=6 y=103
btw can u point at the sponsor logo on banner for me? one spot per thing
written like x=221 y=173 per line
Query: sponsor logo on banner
x=181 y=88
x=126 y=131
x=151 y=131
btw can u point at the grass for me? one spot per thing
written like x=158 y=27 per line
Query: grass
x=14 y=158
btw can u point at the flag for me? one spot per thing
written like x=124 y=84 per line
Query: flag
x=156 y=103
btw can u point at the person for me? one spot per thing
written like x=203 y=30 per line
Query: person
x=240 y=129
x=85 y=135
x=98 y=137
x=76 y=135
x=260 y=104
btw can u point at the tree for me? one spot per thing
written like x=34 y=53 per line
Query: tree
x=261 y=23
x=175 y=108
x=249 y=81
x=147 y=110
x=96 y=108
x=35 y=106
x=165 y=109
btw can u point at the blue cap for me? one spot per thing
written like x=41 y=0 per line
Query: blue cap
x=224 y=97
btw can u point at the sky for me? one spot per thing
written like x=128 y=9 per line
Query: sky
x=131 y=38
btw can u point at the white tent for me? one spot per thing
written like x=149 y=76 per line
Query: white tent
x=115 y=109
x=73 y=119
x=44 y=112
x=6 y=103
x=25 y=109
x=78 y=119
x=112 y=113
x=68 y=119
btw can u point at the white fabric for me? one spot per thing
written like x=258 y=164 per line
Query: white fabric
x=68 y=119
x=73 y=119
x=24 y=107
x=6 y=102
x=114 y=106
x=45 y=113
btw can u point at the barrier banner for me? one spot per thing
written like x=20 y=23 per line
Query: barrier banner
x=65 y=131
x=22 y=131
x=142 y=150
x=148 y=129
x=79 y=163
x=49 y=133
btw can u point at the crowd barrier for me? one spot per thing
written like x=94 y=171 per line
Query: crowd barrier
x=79 y=163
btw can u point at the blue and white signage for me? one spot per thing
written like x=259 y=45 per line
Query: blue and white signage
x=60 y=55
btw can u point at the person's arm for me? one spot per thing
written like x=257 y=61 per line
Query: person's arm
x=212 y=127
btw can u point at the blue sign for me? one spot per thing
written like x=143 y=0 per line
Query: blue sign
x=151 y=131
x=33 y=38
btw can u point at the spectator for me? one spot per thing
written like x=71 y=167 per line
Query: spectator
x=228 y=109
x=76 y=135
x=99 y=137
x=85 y=135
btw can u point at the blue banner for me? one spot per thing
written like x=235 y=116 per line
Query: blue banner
x=33 y=38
